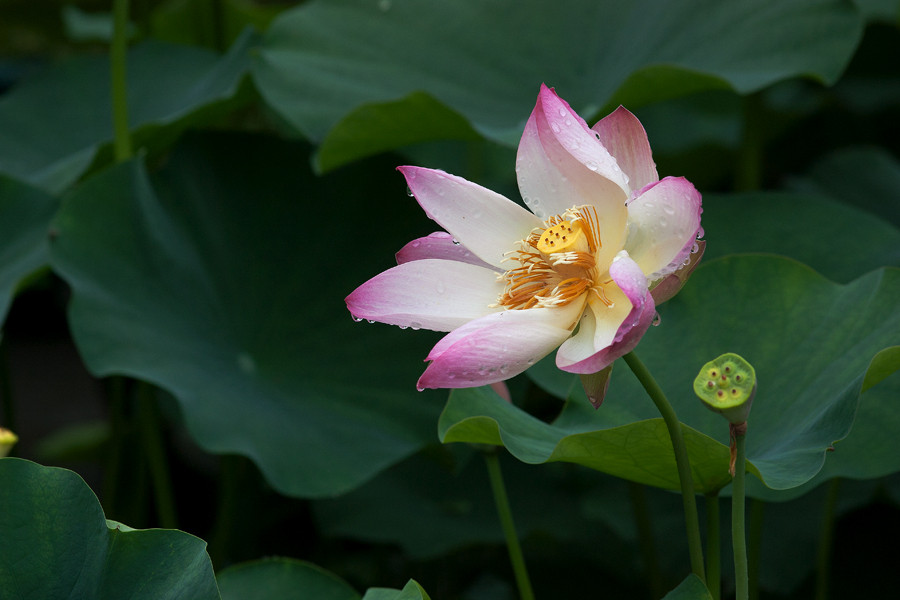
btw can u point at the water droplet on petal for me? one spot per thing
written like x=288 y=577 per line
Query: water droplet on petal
x=555 y=128
x=670 y=210
x=370 y=321
x=656 y=320
x=416 y=244
x=562 y=112
x=456 y=242
x=695 y=248
x=415 y=325
x=356 y=319
x=700 y=232
x=591 y=165
x=409 y=192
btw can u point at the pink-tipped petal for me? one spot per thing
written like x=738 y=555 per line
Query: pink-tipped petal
x=481 y=220
x=440 y=295
x=625 y=138
x=596 y=349
x=440 y=245
x=664 y=219
x=554 y=180
x=672 y=284
x=497 y=347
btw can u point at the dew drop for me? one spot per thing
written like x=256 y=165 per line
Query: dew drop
x=568 y=122
x=700 y=232
x=656 y=320
x=555 y=128
x=455 y=242
x=370 y=321
x=416 y=244
x=670 y=210
x=355 y=318
x=415 y=325
x=409 y=192
x=695 y=248
x=562 y=112
x=591 y=165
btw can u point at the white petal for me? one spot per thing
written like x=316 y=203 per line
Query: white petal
x=440 y=295
x=664 y=220
x=483 y=221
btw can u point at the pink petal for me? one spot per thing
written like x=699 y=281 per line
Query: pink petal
x=672 y=284
x=664 y=219
x=431 y=294
x=481 y=220
x=498 y=346
x=561 y=164
x=592 y=348
x=439 y=244
x=625 y=138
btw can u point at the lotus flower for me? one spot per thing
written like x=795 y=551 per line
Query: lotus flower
x=575 y=273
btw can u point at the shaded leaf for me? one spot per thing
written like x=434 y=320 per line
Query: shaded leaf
x=692 y=588
x=57 y=544
x=25 y=214
x=282 y=579
x=216 y=281
x=840 y=241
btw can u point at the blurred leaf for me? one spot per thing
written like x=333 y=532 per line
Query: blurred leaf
x=411 y=591
x=222 y=281
x=84 y=26
x=25 y=215
x=486 y=61
x=282 y=579
x=788 y=321
x=866 y=177
x=57 y=544
x=55 y=123
x=78 y=441
x=214 y=24
x=692 y=588
x=837 y=240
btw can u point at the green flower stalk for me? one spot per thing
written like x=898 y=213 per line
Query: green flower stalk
x=727 y=386
x=7 y=440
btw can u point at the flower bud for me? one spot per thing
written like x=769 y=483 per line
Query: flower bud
x=727 y=386
x=7 y=440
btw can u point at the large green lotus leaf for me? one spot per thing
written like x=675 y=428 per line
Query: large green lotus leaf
x=222 y=281
x=839 y=241
x=810 y=340
x=57 y=544
x=55 y=123
x=486 y=60
x=25 y=214
x=867 y=453
x=282 y=579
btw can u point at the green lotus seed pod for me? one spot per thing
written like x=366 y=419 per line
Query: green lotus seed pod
x=727 y=385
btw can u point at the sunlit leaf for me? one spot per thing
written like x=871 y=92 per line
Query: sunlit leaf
x=486 y=61
x=789 y=322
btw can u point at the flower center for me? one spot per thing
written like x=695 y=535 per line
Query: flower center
x=557 y=265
